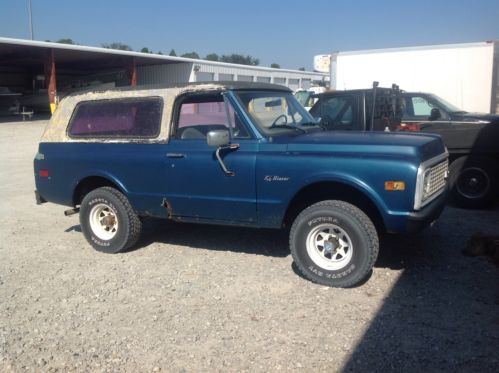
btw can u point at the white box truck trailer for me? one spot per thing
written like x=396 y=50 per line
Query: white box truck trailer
x=466 y=75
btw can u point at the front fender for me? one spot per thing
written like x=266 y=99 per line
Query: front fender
x=278 y=185
x=346 y=179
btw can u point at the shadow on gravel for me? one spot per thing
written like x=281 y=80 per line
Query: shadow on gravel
x=16 y=119
x=267 y=242
x=74 y=228
x=443 y=312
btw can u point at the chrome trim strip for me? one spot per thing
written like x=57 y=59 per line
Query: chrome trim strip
x=479 y=121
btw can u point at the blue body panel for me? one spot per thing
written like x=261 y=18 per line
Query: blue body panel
x=199 y=188
x=267 y=177
x=139 y=170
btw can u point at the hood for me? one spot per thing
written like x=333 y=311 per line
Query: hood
x=393 y=144
x=493 y=118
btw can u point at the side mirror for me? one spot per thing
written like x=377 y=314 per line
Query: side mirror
x=218 y=138
x=435 y=114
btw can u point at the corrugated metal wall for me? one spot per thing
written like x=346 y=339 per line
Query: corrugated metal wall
x=201 y=72
x=164 y=74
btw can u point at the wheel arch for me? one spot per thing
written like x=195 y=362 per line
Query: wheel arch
x=334 y=190
x=92 y=182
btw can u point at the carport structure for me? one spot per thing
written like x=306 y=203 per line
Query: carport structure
x=36 y=74
x=64 y=68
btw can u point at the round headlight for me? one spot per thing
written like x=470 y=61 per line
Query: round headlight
x=427 y=182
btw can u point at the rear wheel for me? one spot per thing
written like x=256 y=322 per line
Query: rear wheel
x=334 y=243
x=473 y=182
x=108 y=221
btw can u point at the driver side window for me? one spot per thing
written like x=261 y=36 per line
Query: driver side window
x=422 y=108
x=198 y=115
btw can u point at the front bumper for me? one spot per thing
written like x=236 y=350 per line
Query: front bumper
x=419 y=220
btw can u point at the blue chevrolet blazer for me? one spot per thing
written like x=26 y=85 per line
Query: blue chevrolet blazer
x=242 y=154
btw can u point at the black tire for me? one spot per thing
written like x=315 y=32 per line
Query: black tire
x=122 y=228
x=354 y=228
x=473 y=182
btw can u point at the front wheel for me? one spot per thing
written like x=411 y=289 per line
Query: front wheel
x=473 y=182
x=108 y=221
x=334 y=243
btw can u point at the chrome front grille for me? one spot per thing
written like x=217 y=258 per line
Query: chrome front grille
x=431 y=180
x=436 y=179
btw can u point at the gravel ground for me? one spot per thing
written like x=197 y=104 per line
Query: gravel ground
x=203 y=298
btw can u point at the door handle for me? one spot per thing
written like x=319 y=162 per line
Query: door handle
x=175 y=155
x=230 y=147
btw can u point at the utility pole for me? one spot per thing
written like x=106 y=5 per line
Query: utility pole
x=30 y=20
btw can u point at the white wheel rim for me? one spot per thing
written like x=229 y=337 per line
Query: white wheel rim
x=103 y=221
x=329 y=247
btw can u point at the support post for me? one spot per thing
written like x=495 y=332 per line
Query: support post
x=132 y=72
x=50 y=79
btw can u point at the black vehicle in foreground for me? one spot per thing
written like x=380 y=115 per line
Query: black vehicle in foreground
x=472 y=139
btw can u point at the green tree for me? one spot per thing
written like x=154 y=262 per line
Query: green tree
x=172 y=53
x=145 y=50
x=275 y=65
x=240 y=59
x=191 y=55
x=301 y=69
x=65 y=41
x=117 y=45
x=159 y=52
x=212 y=57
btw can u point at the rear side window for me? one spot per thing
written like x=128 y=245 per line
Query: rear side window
x=123 y=118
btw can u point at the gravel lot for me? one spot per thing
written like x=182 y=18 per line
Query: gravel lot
x=203 y=298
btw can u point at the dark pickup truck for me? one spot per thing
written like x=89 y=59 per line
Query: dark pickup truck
x=471 y=138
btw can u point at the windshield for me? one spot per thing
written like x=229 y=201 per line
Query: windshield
x=446 y=105
x=303 y=97
x=275 y=112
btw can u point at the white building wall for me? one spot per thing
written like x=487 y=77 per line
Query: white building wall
x=202 y=71
x=293 y=80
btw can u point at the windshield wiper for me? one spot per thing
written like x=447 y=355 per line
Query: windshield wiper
x=288 y=126
x=314 y=124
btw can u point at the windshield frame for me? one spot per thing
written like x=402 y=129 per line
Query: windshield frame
x=307 y=122
x=303 y=96
x=447 y=106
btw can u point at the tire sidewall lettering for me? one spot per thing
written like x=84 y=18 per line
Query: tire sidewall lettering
x=99 y=242
x=331 y=274
x=324 y=219
x=104 y=201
